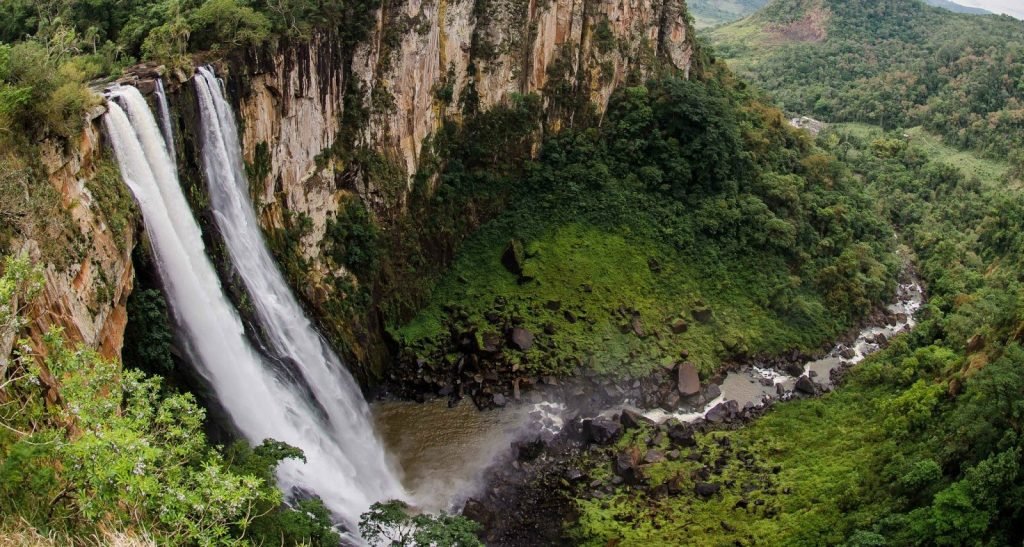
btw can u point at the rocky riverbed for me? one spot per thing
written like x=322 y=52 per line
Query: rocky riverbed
x=516 y=467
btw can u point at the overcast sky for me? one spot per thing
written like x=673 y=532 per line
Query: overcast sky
x=1009 y=7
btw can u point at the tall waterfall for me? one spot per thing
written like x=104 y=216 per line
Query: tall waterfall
x=290 y=333
x=261 y=404
x=165 y=117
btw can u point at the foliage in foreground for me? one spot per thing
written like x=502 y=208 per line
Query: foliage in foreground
x=390 y=523
x=86 y=447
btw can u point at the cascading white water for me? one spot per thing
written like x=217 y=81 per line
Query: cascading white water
x=260 y=404
x=165 y=118
x=290 y=333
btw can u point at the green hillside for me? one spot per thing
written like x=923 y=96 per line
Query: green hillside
x=893 y=63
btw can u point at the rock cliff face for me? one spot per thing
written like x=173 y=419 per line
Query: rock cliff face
x=427 y=62
x=85 y=295
x=325 y=124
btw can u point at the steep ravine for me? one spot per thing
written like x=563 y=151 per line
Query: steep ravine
x=327 y=127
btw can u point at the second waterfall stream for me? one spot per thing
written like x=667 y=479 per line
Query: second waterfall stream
x=315 y=405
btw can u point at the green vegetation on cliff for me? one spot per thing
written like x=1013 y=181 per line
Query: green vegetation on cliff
x=88 y=449
x=692 y=221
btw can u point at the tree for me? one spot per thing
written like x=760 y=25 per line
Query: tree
x=390 y=523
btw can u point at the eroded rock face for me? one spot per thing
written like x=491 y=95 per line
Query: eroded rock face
x=86 y=296
x=292 y=104
x=425 y=61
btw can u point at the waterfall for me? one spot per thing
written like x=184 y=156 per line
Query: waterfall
x=165 y=117
x=260 y=404
x=289 y=332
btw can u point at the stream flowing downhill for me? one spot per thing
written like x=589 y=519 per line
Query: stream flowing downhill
x=345 y=464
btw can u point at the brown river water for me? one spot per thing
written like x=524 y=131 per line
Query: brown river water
x=443 y=452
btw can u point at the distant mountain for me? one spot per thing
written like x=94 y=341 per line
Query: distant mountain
x=957 y=8
x=893 y=63
x=709 y=13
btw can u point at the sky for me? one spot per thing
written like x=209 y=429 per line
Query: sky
x=1009 y=7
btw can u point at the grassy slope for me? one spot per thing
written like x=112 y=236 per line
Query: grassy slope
x=931 y=145
x=568 y=254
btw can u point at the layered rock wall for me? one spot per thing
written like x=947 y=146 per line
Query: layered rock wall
x=86 y=295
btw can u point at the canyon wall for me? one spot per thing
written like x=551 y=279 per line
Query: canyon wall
x=426 y=63
x=87 y=265
x=308 y=108
x=424 y=60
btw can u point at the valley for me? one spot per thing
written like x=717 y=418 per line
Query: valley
x=489 y=272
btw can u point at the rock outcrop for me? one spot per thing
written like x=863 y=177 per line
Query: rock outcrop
x=86 y=292
x=291 y=100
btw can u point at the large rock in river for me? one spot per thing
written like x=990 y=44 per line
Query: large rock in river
x=689 y=380
x=603 y=431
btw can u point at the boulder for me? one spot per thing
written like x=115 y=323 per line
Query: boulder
x=681 y=434
x=626 y=466
x=637 y=326
x=520 y=338
x=848 y=353
x=499 y=400
x=703 y=314
x=793 y=369
x=706 y=489
x=689 y=380
x=514 y=257
x=712 y=392
x=491 y=342
x=632 y=418
x=654 y=456
x=805 y=385
x=718 y=413
x=679 y=326
x=601 y=430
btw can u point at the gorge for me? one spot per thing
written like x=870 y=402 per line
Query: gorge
x=463 y=272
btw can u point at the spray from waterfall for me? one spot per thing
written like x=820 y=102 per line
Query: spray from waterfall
x=260 y=404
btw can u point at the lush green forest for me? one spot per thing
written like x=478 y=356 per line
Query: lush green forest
x=893 y=63
x=691 y=195
x=920 y=445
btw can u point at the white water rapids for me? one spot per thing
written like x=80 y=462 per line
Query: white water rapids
x=346 y=465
